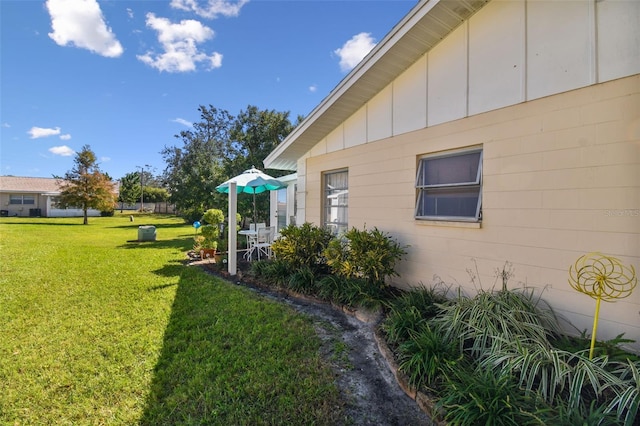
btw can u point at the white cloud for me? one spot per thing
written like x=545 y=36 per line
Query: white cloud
x=179 y=42
x=130 y=13
x=212 y=9
x=105 y=159
x=65 y=137
x=313 y=88
x=63 y=151
x=183 y=122
x=81 y=24
x=352 y=52
x=6 y=125
x=41 y=132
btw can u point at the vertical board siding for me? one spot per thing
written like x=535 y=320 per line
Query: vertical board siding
x=447 y=96
x=496 y=58
x=558 y=49
x=618 y=40
x=509 y=52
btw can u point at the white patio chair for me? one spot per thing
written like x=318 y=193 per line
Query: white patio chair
x=264 y=240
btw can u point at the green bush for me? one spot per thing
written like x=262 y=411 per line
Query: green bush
x=272 y=272
x=506 y=337
x=564 y=378
x=209 y=237
x=584 y=415
x=369 y=255
x=410 y=311
x=425 y=355
x=352 y=292
x=474 y=396
x=213 y=217
x=491 y=317
x=302 y=281
x=302 y=246
x=328 y=287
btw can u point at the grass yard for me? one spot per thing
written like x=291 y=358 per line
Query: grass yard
x=98 y=330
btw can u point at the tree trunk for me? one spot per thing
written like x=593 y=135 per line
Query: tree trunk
x=86 y=218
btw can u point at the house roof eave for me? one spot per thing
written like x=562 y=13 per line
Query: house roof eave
x=418 y=32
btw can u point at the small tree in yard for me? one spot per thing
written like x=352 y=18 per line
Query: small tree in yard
x=85 y=186
x=129 y=189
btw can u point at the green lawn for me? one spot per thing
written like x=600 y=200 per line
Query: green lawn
x=98 y=330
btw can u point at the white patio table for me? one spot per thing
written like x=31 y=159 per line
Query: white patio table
x=252 y=236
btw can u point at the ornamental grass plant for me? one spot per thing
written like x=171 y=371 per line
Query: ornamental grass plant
x=505 y=366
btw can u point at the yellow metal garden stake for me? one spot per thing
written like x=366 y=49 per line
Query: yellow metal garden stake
x=603 y=278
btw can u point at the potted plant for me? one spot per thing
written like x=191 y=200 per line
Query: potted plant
x=212 y=239
x=207 y=241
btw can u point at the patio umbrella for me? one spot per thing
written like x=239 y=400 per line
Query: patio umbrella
x=252 y=181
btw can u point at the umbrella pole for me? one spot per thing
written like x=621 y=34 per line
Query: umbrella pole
x=255 y=212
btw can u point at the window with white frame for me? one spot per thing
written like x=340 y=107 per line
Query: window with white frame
x=22 y=199
x=449 y=186
x=336 y=201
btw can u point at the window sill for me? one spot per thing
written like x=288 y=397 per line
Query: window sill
x=449 y=223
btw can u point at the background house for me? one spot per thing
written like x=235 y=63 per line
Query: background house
x=482 y=132
x=35 y=197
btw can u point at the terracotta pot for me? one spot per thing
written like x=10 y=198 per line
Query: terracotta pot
x=207 y=253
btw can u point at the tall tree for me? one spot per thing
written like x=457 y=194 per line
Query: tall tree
x=255 y=133
x=85 y=186
x=219 y=147
x=195 y=169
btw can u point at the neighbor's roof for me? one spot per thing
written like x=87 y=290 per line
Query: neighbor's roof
x=418 y=32
x=28 y=184
x=35 y=185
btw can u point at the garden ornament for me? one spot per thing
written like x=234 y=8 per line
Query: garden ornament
x=603 y=278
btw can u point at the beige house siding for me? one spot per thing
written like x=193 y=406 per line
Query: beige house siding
x=561 y=177
x=550 y=91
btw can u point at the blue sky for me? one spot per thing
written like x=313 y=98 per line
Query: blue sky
x=125 y=77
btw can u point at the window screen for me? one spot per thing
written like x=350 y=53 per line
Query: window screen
x=336 y=201
x=448 y=186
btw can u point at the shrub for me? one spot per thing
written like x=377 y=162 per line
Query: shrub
x=565 y=378
x=210 y=236
x=213 y=217
x=370 y=255
x=425 y=354
x=302 y=246
x=302 y=281
x=564 y=415
x=350 y=292
x=484 y=321
x=328 y=287
x=485 y=397
x=273 y=272
x=410 y=311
